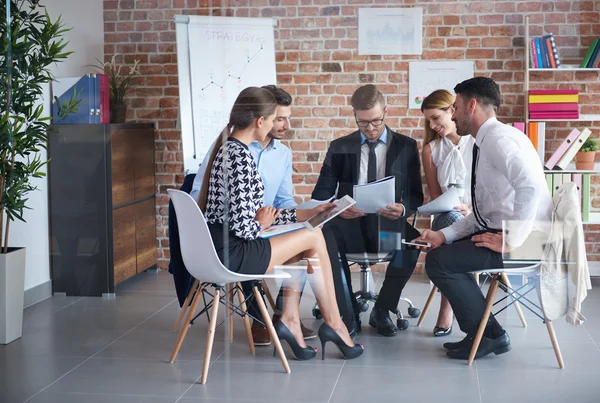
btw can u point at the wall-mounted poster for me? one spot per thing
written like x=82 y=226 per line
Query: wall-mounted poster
x=426 y=77
x=390 y=31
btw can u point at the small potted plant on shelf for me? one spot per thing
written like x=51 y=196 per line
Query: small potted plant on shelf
x=121 y=80
x=584 y=159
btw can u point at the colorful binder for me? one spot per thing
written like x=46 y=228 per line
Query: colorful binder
x=573 y=149
x=84 y=88
x=585 y=196
x=562 y=149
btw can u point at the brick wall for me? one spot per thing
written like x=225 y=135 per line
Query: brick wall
x=318 y=63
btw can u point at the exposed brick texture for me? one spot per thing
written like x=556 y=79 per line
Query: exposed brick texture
x=318 y=63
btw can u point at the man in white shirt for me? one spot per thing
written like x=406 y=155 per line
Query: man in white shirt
x=507 y=183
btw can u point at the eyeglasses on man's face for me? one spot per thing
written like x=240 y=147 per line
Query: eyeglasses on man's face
x=374 y=122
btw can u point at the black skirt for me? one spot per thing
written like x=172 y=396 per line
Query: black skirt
x=244 y=256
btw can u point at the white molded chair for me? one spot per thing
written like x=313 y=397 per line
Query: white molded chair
x=500 y=280
x=201 y=260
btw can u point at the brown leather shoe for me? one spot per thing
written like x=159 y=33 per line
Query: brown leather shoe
x=260 y=334
x=307 y=333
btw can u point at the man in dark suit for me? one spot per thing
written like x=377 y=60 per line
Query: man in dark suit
x=371 y=153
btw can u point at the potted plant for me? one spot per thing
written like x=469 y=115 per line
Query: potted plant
x=30 y=42
x=120 y=83
x=584 y=159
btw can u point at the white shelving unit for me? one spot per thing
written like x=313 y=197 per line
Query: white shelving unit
x=567 y=67
x=594 y=217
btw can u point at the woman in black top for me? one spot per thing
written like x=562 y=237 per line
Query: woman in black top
x=232 y=201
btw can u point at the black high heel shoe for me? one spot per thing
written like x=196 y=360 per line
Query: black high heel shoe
x=300 y=353
x=326 y=334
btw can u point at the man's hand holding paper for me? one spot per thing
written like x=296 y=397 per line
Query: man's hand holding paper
x=372 y=197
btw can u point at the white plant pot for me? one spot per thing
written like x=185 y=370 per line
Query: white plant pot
x=12 y=290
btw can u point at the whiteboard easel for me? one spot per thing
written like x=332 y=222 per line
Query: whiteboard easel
x=217 y=57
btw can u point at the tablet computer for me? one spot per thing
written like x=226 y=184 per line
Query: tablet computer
x=323 y=217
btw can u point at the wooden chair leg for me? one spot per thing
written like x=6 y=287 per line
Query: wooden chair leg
x=210 y=338
x=246 y=318
x=476 y=275
x=486 y=315
x=186 y=324
x=269 y=323
x=230 y=312
x=557 y=352
x=427 y=305
x=269 y=296
x=516 y=303
x=186 y=304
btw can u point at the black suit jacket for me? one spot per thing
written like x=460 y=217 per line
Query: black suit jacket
x=342 y=163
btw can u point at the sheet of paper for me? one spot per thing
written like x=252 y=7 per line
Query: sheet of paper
x=446 y=202
x=312 y=203
x=372 y=197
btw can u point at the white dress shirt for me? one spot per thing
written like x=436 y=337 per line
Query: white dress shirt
x=510 y=185
x=380 y=151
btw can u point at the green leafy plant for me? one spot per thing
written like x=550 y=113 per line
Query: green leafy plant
x=120 y=79
x=589 y=145
x=30 y=42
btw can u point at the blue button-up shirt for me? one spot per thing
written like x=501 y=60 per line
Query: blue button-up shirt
x=275 y=168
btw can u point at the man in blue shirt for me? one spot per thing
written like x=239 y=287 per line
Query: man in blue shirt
x=274 y=163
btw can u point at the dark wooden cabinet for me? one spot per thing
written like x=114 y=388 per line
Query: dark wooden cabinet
x=102 y=206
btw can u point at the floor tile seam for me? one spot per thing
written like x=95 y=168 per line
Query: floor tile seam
x=336 y=382
x=197 y=379
x=478 y=383
x=66 y=306
x=88 y=359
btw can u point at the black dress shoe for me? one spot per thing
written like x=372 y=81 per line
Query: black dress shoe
x=380 y=319
x=499 y=345
x=466 y=342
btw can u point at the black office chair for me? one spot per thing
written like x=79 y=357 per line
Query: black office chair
x=366 y=293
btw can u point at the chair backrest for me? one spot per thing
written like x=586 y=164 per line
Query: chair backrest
x=197 y=248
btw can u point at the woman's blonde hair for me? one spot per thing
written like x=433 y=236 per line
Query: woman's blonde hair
x=438 y=99
x=252 y=103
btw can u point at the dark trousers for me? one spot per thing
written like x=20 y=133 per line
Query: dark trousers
x=341 y=283
x=361 y=235
x=448 y=266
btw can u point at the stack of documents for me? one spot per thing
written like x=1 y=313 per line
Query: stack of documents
x=374 y=196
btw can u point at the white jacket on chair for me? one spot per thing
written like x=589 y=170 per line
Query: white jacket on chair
x=564 y=273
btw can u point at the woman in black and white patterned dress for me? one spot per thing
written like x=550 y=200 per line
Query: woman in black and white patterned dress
x=232 y=201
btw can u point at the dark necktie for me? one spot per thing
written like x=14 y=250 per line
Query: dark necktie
x=372 y=167
x=478 y=215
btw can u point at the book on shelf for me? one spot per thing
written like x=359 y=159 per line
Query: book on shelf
x=573 y=149
x=553 y=98
x=520 y=126
x=554 y=92
x=562 y=148
x=591 y=52
x=554 y=58
x=585 y=198
x=553 y=115
x=550 y=182
x=543 y=52
x=558 y=107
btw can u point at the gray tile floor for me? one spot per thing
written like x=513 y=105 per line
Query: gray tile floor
x=97 y=350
